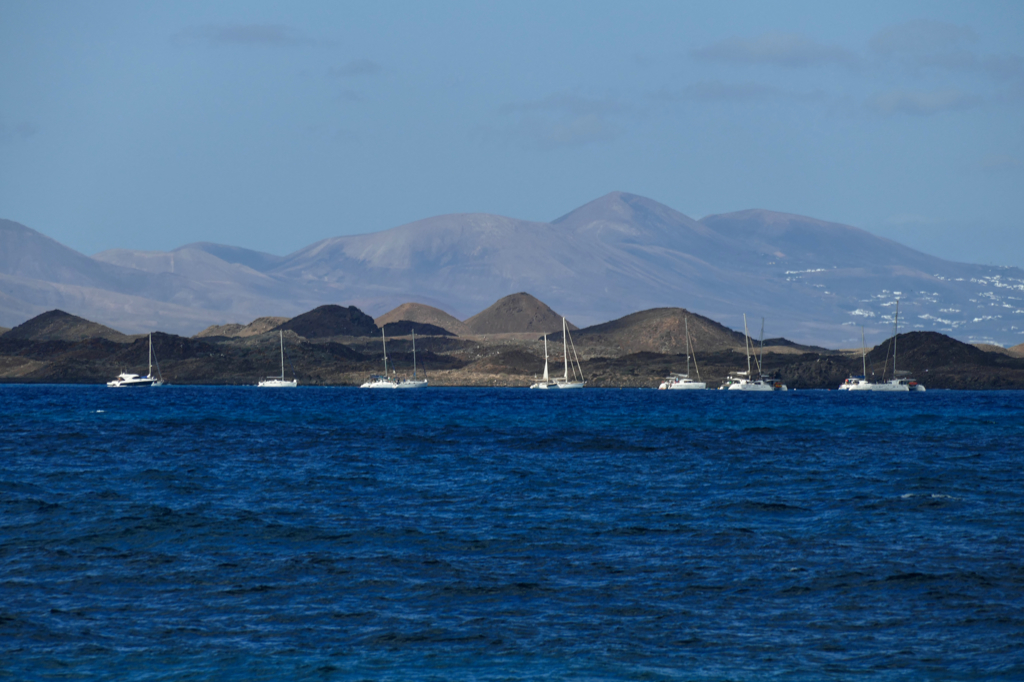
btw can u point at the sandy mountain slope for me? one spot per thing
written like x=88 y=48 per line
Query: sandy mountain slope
x=425 y=314
x=518 y=313
x=260 y=325
x=661 y=330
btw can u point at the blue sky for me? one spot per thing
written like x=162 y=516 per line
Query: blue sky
x=273 y=125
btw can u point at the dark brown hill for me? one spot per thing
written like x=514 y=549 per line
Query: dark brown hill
x=938 y=361
x=518 y=313
x=331 y=320
x=417 y=312
x=57 y=325
x=407 y=327
x=659 y=330
x=930 y=349
x=260 y=325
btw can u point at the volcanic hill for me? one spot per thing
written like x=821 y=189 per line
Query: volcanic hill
x=518 y=313
x=260 y=325
x=660 y=330
x=331 y=320
x=57 y=325
x=425 y=314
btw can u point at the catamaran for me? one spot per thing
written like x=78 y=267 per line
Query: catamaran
x=897 y=383
x=128 y=380
x=382 y=380
x=279 y=382
x=577 y=380
x=676 y=382
x=745 y=381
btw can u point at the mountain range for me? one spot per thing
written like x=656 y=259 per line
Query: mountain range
x=812 y=281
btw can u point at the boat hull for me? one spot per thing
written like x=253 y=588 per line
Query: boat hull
x=134 y=381
x=278 y=383
x=682 y=386
x=885 y=387
x=380 y=383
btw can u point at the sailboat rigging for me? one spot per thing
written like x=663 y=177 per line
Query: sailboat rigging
x=128 y=380
x=280 y=382
x=577 y=380
x=683 y=381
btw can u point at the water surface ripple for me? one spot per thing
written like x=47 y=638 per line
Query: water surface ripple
x=478 y=534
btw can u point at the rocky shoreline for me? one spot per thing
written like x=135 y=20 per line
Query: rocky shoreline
x=937 y=361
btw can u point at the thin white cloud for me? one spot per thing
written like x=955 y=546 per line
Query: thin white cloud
x=25 y=129
x=270 y=35
x=922 y=37
x=577 y=131
x=22 y=129
x=357 y=67
x=789 y=50
x=922 y=103
x=1002 y=163
x=563 y=120
x=926 y=44
x=718 y=91
x=566 y=103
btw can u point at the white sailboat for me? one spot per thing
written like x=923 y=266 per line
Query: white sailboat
x=128 y=380
x=414 y=382
x=895 y=385
x=862 y=383
x=745 y=381
x=545 y=381
x=577 y=380
x=675 y=382
x=382 y=380
x=279 y=382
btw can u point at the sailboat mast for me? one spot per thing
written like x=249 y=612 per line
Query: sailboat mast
x=686 y=326
x=746 y=338
x=150 y=355
x=414 y=354
x=895 y=335
x=545 y=357
x=384 y=343
x=864 y=351
x=281 y=332
x=760 y=359
x=565 y=347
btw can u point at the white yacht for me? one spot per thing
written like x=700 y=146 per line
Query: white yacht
x=675 y=382
x=128 y=380
x=577 y=380
x=896 y=384
x=414 y=382
x=382 y=380
x=745 y=381
x=279 y=382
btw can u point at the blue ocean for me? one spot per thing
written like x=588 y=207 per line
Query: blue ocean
x=216 y=533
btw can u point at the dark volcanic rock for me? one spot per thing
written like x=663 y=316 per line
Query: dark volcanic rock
x=407 y=327
x=515 y=361
x=331 y=320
